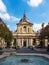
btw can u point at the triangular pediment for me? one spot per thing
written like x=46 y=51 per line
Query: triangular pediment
x=24 y=21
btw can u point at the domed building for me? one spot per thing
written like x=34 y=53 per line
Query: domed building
x=25 y=35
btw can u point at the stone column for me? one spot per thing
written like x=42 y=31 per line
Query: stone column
x=22 y=42
x=27 y=42
x=46 y=42
x=31 y=42
x=37 y=42
x=12 y=43
x=17 y=41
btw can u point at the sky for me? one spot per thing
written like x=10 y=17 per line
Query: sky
x=37 y=11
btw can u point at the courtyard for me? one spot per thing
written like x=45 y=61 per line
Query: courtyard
x=24 y=55
x=26 y=50
x=24 y=32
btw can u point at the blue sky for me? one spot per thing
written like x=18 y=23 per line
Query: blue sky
x=37 y=11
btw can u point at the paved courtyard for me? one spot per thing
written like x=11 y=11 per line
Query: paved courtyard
x=35 y=50
x=27 y=50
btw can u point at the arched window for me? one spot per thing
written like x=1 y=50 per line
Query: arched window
x=24 y=28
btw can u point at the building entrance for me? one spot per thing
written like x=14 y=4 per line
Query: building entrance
x=24 y=43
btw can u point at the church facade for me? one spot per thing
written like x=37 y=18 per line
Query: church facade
x=25 y=35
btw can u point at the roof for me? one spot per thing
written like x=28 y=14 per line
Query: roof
x=24 y=19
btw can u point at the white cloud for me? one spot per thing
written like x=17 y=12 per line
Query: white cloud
x=7 y=16
x=4 y=14
x=34 y=3
x=37 y=26
x=2 y=6
x=14 y=18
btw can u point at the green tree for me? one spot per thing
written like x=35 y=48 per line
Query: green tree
x=5 y=33
x=44 y=33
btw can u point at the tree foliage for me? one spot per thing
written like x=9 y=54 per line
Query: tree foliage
x=5 y=32
x=44 y=32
